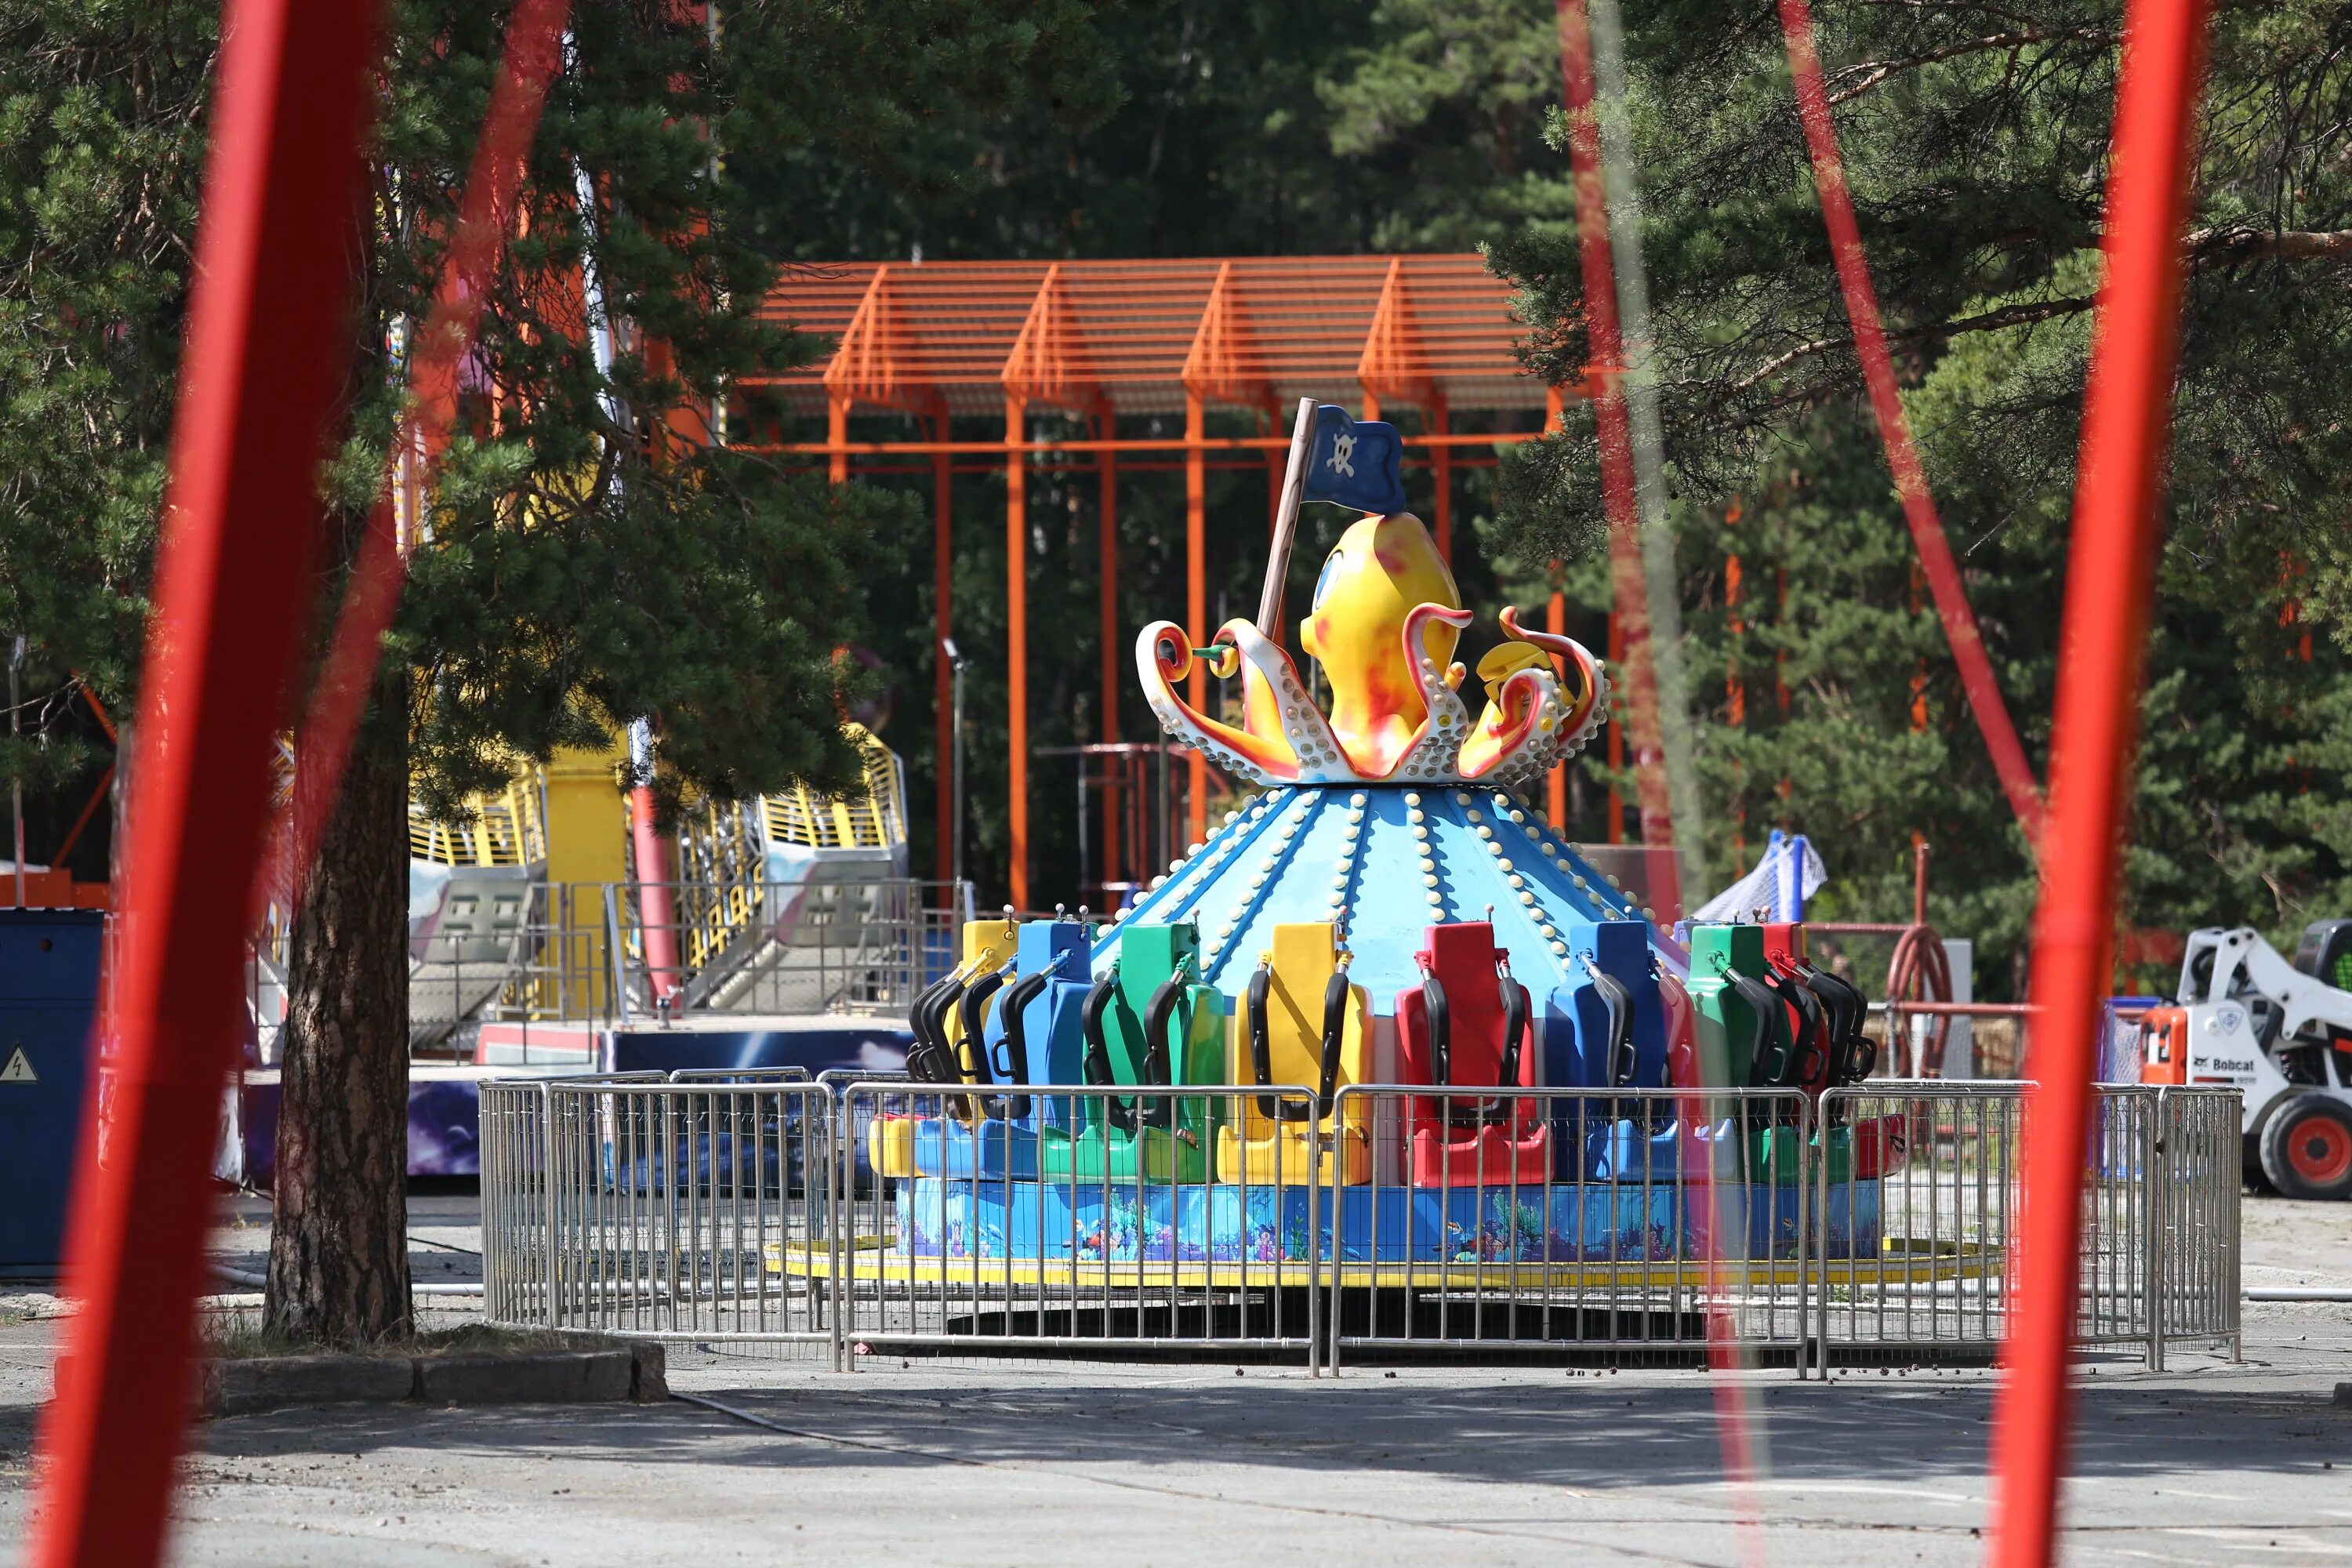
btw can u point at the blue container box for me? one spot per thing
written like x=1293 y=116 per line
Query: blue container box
x=48 y=1007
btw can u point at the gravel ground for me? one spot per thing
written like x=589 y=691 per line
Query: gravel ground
x=1047 y=1463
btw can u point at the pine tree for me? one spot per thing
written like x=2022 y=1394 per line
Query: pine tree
x=590 y=556
x=1975 y=138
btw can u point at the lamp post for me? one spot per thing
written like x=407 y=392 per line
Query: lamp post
x=956 y=662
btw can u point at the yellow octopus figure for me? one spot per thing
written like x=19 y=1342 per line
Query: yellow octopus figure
x=1384 y=621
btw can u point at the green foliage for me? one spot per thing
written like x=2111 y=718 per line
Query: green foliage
x=1975 y=142
x=587 y=556
x=101 y=141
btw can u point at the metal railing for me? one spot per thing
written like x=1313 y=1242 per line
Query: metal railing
x=1555 y=1218
x=646 y=1206
x=1076 y=1218
x=511 y=950
x=1874 y=1224
x=2159 y=1258
x=859 y=946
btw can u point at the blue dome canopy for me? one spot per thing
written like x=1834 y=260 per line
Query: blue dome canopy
x=1387 y=860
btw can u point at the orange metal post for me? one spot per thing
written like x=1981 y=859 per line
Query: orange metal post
x=1616 y=727
x=942 y=672
x=1440 y=464
x=1196 y=599
x=1016 y=646
x=1108 y=549
x=836 y=436
x=1556 y=623
x=1556 y=784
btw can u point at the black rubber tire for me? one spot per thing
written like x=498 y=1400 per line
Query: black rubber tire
x=2306 y=1148
x=2255 y=1182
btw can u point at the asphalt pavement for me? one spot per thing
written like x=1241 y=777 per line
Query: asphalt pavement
x=1042 y=1463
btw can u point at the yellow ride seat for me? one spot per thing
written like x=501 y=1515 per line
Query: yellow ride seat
x=938 y=1054
x=1285 y=1031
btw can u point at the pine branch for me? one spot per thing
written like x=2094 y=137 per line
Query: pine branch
x=2211 y=246
x=1991 y=321
x=1871 y=73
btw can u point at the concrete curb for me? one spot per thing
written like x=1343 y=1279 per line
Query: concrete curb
x=606 y=1373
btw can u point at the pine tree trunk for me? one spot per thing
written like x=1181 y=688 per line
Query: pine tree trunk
x=339 y=1244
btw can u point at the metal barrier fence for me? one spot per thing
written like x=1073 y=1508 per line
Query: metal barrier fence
x=2159 y=1261
x=1093 y=1225
x=1875 y=1223
x=653 y=1207
x=1554 y=1218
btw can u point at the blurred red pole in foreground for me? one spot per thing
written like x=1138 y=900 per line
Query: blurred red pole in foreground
x=268 y=336
x=2127 y=410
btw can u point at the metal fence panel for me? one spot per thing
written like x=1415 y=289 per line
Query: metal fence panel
x=1548 y=1220
x=1878 y=1222
x=1080 y=1217
x=658 y=1209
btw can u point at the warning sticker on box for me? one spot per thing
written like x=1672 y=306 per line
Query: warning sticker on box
x=19 y=1070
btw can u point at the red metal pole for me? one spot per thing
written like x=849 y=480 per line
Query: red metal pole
x=1016 y=635
x=268 y=339
x=1606 y=377
x=1196 y=603
x=1895 y=429
x=2110 y=566
x=942 y=671
x=1106 y=589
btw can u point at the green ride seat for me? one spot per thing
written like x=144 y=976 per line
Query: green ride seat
x=1154 y=979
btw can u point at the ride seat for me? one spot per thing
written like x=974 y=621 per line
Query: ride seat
x=1147 y=1022
x=935 y=1020
x=1032 y=1020
x=1467 y=1025
x=1300 y=1022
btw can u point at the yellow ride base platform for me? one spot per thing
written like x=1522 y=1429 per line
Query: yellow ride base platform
x=873 y=1260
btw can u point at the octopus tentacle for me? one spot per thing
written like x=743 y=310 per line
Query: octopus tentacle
x=1302 y=747
x=1580 y=718
x=1429 y=753
x=1302 y=730
x=1514 y=725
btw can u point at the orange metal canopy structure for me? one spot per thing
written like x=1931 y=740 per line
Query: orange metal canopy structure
x=1099 y=340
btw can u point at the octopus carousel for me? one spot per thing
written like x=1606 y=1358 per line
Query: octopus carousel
x=1389 y=934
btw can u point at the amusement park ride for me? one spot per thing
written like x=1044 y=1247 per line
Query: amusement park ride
x=1391 y=909
x=1389 y=904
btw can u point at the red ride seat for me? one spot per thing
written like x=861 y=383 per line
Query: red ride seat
x=1470 y=1025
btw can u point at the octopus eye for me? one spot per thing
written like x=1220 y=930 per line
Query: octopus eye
x=1323 y=583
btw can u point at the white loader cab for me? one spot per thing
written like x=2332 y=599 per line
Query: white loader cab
x=2280 y=1033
